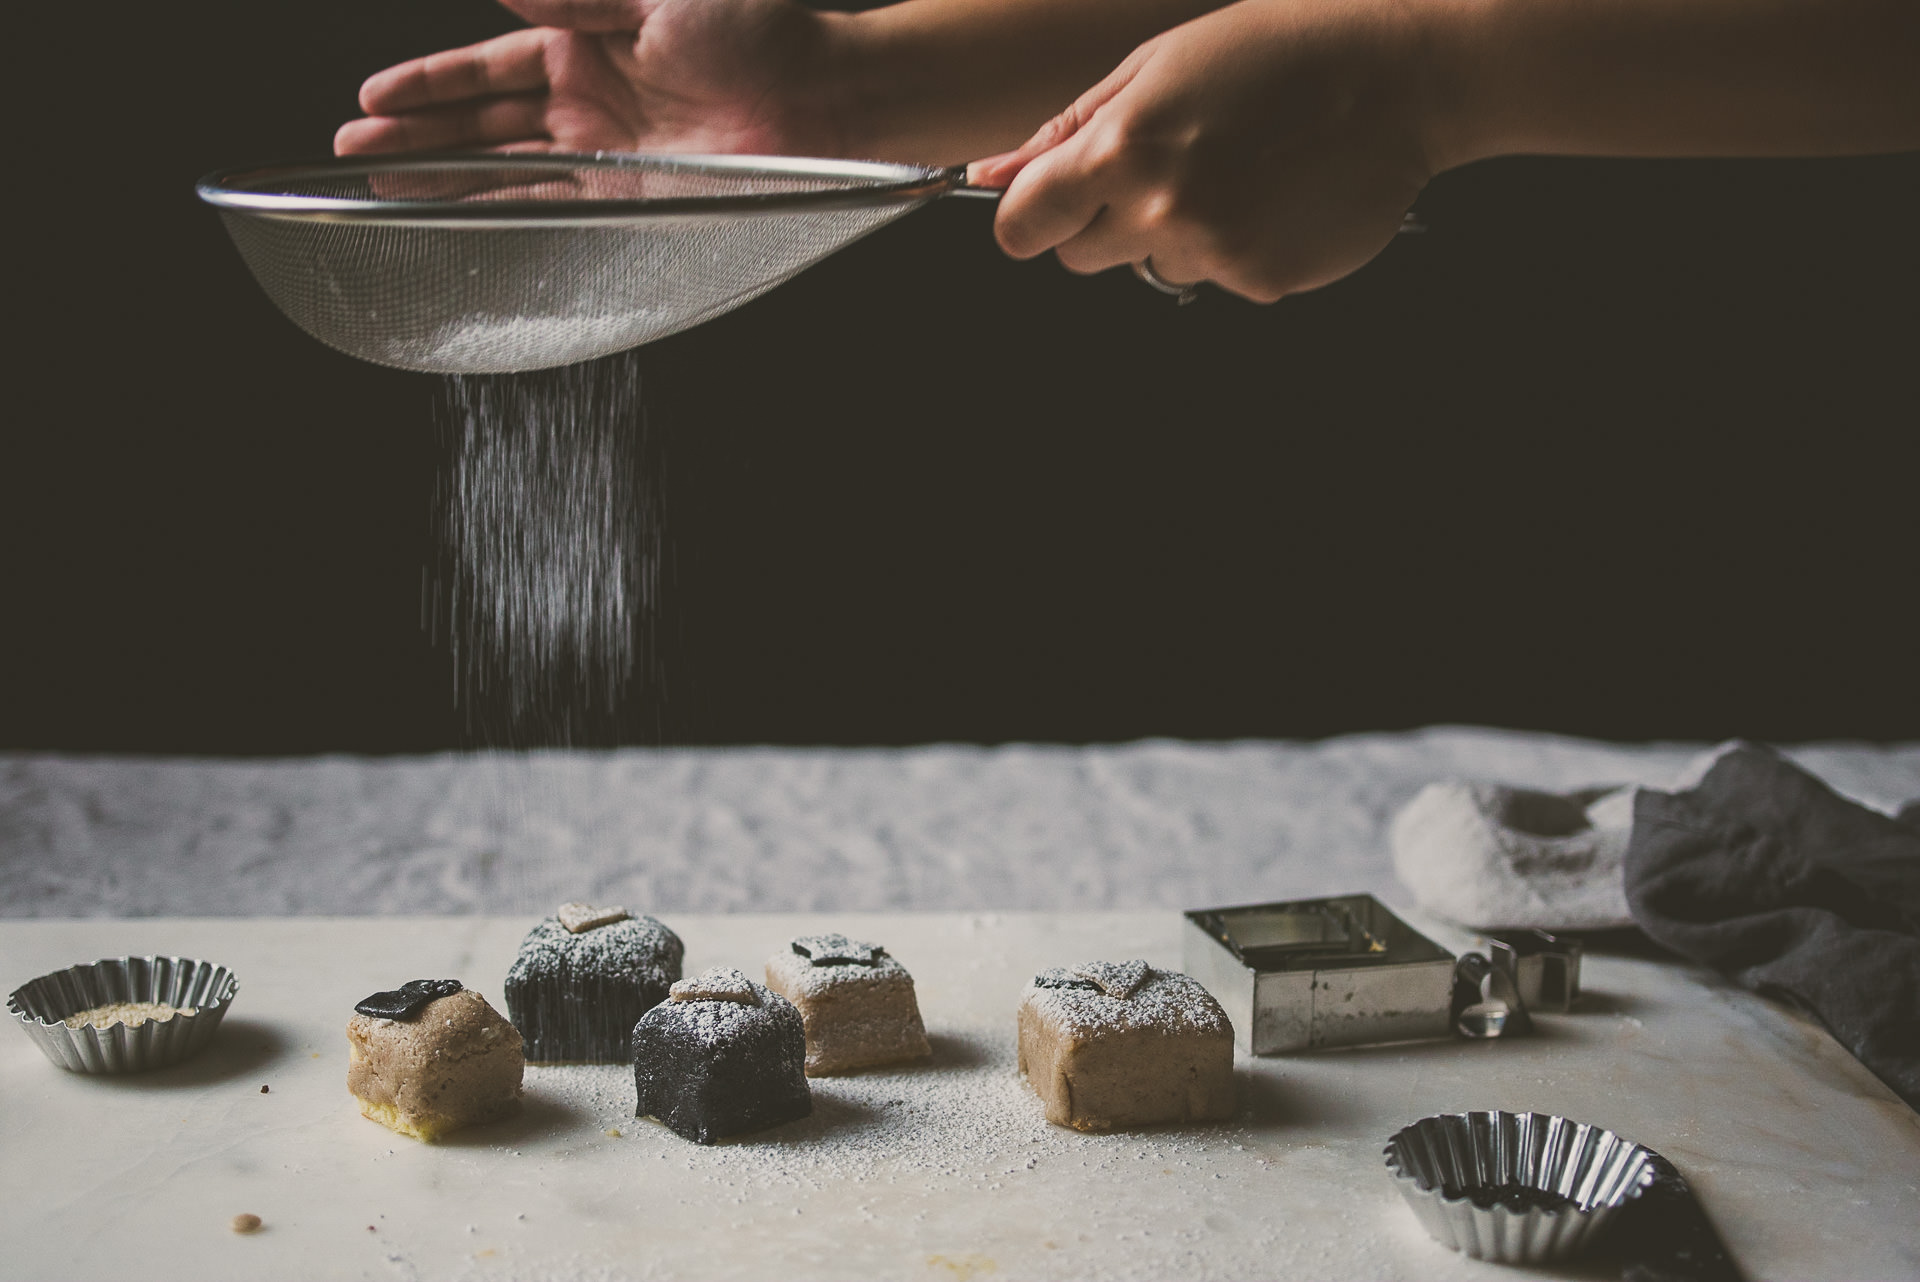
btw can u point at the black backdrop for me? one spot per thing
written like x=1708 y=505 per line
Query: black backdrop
x=1624 y=449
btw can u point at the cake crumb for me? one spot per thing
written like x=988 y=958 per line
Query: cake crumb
x=246 y=1223
x=613 y=1132
x=132 y=1014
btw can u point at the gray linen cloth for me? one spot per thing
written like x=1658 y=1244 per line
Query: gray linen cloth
x=1766 y=873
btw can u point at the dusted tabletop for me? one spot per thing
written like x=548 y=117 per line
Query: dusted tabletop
x=1809 y=1167
x=321 y=880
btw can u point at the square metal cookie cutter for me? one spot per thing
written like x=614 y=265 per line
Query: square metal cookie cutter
x=1311 y=973
x=1545 y=966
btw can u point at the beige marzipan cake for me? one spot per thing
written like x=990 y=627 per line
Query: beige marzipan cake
x=1109 y=1045
x=858 y=1003
x=453 y=1063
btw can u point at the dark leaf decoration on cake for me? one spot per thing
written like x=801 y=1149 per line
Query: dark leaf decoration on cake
x=1061 y=977
x=1115 y=979
x=838 y=950
x=409 y=999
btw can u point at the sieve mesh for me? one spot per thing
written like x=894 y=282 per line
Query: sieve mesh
x=483 y=264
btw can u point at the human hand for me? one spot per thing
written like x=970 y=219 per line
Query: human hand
x=1270 y=147
x=616 y=75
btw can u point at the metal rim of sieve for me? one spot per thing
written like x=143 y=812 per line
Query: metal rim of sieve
x=260 y=190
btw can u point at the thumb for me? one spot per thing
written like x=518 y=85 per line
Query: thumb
x=581 y=15
x=998 y=171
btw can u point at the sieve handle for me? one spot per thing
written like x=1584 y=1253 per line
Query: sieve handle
x=1411 y=224
x=961 y=187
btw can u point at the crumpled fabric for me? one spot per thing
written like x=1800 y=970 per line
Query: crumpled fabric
x=1765 y=873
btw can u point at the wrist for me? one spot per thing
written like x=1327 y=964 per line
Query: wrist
x=888 y=83
x=808 y=94
x=839 y=83
x=1454 y=88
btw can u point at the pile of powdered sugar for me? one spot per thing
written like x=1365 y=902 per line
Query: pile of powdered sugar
x=926 y=1158
x=967 y=1115
x=483 y=341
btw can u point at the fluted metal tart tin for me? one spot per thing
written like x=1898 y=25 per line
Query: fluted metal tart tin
x=1459 y=1172
x=41 y=1006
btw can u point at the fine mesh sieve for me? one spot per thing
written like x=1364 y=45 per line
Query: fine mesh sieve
x=486 y=264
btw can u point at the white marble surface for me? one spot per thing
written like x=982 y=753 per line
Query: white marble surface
x=1809 y=1166
x=1144 y=825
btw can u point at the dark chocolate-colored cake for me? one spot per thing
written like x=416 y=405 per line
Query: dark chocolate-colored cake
x=720 y=1057
x=582 y=980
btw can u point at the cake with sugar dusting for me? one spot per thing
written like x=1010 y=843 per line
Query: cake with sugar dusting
x=583 y=979
x=1109 y=1045
x=430 y=1057
x=857 y=1003
x=721 y=1056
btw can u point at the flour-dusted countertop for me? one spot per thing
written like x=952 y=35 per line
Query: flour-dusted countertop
x=1146 y=825
x=1809 y=1166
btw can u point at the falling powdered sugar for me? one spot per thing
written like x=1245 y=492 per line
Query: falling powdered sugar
x=548 y=565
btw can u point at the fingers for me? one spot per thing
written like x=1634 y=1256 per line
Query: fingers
x=488 y=122
x=512 y=63
x=1060 y=180
x=1000 y=171
x=581 y=15
x=1128 y=233
x=1105 y=198
x=1055 y=198
x=994 y=171
x=485 y=95
x=1102 y=186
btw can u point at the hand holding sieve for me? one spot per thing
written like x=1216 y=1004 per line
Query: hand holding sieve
x=480 y=263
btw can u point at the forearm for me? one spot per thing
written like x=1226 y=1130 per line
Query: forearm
x=1673 y=77
x=945 y=81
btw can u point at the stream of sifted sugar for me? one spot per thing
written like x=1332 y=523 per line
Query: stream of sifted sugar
x=547 y=569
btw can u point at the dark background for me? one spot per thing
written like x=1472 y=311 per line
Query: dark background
x=1621 y=449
